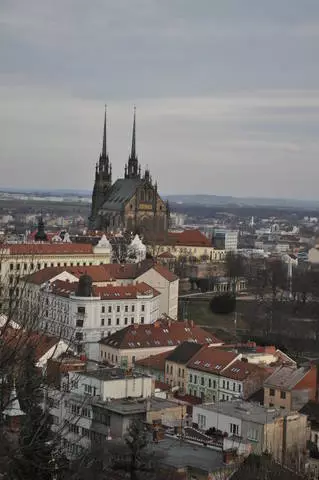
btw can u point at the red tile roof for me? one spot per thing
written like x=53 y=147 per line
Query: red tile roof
x=48 y=248
x=191 y=238
x=211 y=360
x=165 y=255
x=103 y=273
x=163 y=333
x=19 y=340
x=156 y=362
x=162 y=386
x=165 y=272
x=107 y=292
x=240 y=370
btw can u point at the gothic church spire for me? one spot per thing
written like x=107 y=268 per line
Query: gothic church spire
x=133 y=170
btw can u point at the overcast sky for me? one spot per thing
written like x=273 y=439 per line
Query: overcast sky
x=227 y=93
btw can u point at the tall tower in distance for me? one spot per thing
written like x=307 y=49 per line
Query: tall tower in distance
x=103 y=180
x=132 y=169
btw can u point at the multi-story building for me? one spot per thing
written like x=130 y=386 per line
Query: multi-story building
x=100 y=403
x=84 y=313
x=225 y=240
x=176 y=372
x=21 y=259
x=141 y=341
x=291 y=388
x=190 y=243
x=204 y=370
x=155 y=275
x=153 y=366
x=277 y=431
x=240 y=380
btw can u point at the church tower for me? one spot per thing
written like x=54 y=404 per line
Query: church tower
x=103 y=180
x=132 y=169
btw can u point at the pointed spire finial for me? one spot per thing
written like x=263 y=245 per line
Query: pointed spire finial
x=104 y=150
x=133 y=150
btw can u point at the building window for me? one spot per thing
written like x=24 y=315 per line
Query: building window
x=126 y=308
x=132 y=320
x=143 y=308
x=223 y=383
x=103 y=309
x=209 y=382
x=110 y=309
x=202 y=381
x=283 y=395
x=25 y=266
x=18 y=266
x=117 y=321
x=102 y=322
x=133 y=358
x=191 y=378
x=201 y=421
x=125 y=320
x=179 y=372
x=11 y=266
x=271 y=392
x=142 y=319
x=214 y=383
x=133 y=308
x=171 y=370
x=118 y=309
x=195 y=378
x=234 y=429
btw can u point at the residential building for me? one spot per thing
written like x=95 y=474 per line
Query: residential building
x=205 y=370
x=155 y=275
x=241 y=379
x=225 y=240
x=153 y=366
x=290 y=388
x=84 y=313
x=141 y=341
x=165 y=282
x=189 y=243
x=277 y=431
x=176 y=363
x=21 y=259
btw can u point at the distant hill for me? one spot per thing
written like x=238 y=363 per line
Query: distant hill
x=215 y=200
x=194 y=199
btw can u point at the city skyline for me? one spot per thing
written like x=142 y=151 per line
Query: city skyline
x=227 y=96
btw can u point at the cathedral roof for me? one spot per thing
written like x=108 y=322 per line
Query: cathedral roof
x=120 y=192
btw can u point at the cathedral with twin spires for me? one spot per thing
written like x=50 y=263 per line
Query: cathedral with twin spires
x=130 y=204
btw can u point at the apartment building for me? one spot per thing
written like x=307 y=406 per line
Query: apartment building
x=141 y=341
x=277 y=431
x=84 y=313
x=291 y=388
x=204 y=372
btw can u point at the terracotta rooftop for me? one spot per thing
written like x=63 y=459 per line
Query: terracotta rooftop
x=107 y=292
x=20 y=340
x=191 y=238
x=103 y=273
x=212 y=360
x=240 y=370
x=185 y=352
x=48 y=248
x=156 y=362
x=286 y=377
x=162 y=333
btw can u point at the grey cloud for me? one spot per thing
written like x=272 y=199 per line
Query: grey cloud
x=227 y=92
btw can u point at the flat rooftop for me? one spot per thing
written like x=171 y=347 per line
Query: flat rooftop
x=182 y=454
x=114 y=373
x=246 y=411
x=128 y=406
